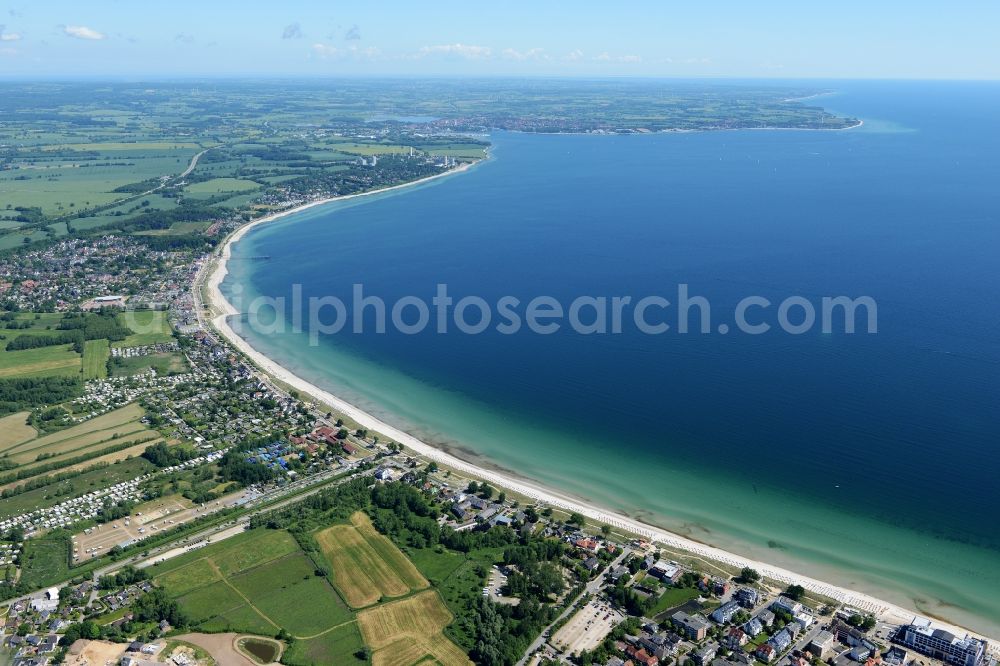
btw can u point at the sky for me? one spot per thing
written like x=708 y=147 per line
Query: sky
x=921 y=39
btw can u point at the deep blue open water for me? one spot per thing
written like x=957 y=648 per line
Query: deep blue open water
x=867 y=459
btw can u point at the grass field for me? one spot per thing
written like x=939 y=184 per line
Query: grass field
x=14 y=429
x=337 y=646
x=164 y=363
x=673 y=597
x=95 y=359
x=366 y=565
x=121 y=145
x=151 y=327
x=409 y=631
x=257 y=582
x=39 y=362
x=217 y=185
x=45 y=561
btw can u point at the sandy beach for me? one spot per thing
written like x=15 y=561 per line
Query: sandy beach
x=214 y=272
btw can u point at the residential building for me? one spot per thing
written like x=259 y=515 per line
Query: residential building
x=705 y=654
x=724 y=613
x=765 y=652
x=787 y=605
x=667 y=571
x=695 y=627
x=821 y=645
x=747 y=597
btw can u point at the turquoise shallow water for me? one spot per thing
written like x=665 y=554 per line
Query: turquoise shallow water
x=868 y=460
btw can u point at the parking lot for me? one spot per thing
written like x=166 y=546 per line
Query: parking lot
x=588 y=627
x=147 y=519
x=494 y=587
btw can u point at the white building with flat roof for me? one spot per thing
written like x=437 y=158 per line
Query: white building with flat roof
x=925 y=637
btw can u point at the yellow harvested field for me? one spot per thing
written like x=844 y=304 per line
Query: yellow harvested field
x=110 y=458
x=366 y=565
x=105 y=423
x=408 y=631
x=75 y=446
x=14 y=429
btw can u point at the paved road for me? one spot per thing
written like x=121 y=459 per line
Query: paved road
x=315 y=484
x=591 y=588
x=194 y=163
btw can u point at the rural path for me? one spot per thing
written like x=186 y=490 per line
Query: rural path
x=592 y=587
x=266 y=502
x=222 y=577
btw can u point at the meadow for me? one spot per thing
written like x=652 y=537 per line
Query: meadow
x=56 y=360
x=45 y=561
x=151 y=326
x=165 y=363
x=258 y=582
x=261 y=582
x=95 y=359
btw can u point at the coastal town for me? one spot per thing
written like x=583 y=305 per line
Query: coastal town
x=170 y=496
x=614 y=598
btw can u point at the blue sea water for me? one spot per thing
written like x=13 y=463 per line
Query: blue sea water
x=867 y=459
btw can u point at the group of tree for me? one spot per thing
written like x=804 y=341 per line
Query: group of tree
x=234 y=466
x=128 y=575
x=95 y=325
x=162 y=455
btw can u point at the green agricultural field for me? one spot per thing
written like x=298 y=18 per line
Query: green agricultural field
x=242 y=619
x=213 y=599
x=256 y=582
x=673 y=597
x=370 y=148
x=95 y=359
x=58 y=360
x=164 y=363
x=282 y=604
x=151 y=327
x=217 y=185
x=458 y=150
x=264 y=548
x=337 y=646
x=45 y=561
x=150 y=145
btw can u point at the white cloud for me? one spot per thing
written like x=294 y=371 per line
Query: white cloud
x=82 y=32
x=8 y=36
x=328 y=51
x=627 y=59
x=574 y=56
x=354 y=32
x=530 y=54
x=467 y=51
x=292 y=31
x=184 y=38
x=8 y=52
